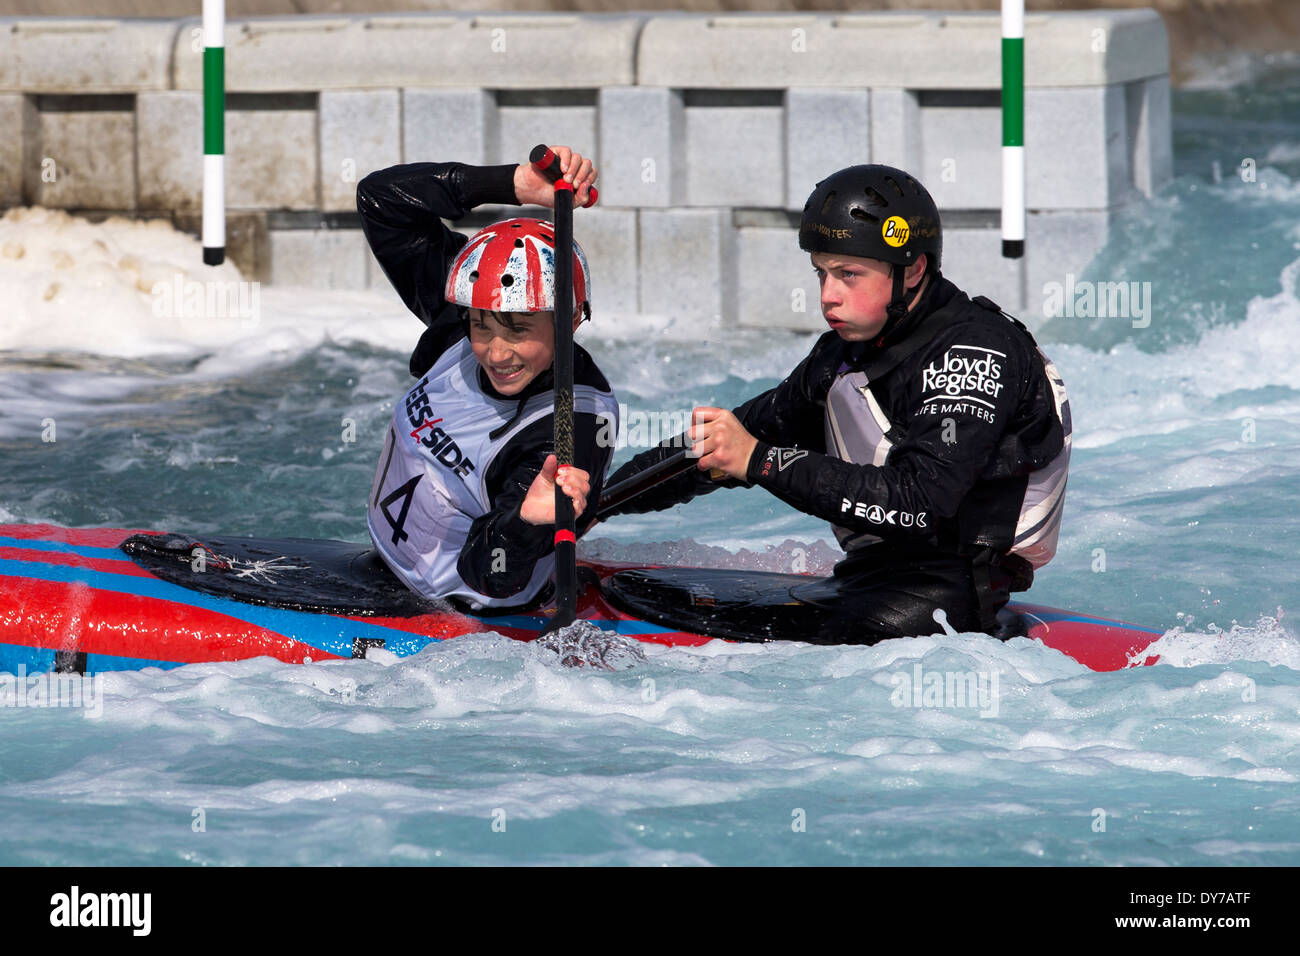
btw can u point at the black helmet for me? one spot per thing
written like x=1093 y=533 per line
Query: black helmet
x=857 y=212
x=877 y=212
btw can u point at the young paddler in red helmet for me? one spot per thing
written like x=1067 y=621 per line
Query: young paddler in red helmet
x=463 y=501
x=924 y=425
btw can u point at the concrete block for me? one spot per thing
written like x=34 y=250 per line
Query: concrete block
x=530 y=51
x=86 y=154
x=730 y=51
x=1058 y=244
x=319 y=52
x=688 y=264
x=1151 y=154
x=1076 y=152
x=825 y=130
x=169 y=144
x=1065 y=48
x=972 y=258
x=732 y=152
x=10 y=71
x=525 y=51
x=248 y=243
x=360 y=132
x=643 y=146
x=319 y=258
x=33 y=157
x=271 y=158
x=17 y=129
x=895 y=116
x=68 y=55
x=911 y=50
x=961 y=151
x=1126 y=45
x=1119 y=161
x=609 y=239
x=777 y=287
x=533 y=119
x=449 y=126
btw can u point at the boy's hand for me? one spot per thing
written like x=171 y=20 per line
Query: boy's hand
x=721 y=441
x=534 y=189
x=539 y=504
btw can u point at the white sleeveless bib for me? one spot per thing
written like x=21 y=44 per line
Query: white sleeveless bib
x=431 y=482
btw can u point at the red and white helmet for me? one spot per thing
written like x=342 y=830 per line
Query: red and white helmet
x=510 y=267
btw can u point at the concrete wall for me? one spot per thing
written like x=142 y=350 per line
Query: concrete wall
x=709 y=132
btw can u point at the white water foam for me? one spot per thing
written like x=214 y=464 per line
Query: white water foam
x=1127 y=393
x=107 y=289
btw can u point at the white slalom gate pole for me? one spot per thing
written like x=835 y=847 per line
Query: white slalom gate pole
x=1013 y=129
x=214 y=132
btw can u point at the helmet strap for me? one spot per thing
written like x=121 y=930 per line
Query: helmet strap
x=897 y=307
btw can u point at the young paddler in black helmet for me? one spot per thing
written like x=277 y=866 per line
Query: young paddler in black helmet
x=924 y=425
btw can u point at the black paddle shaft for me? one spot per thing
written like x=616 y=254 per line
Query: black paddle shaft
x=566 y=551
x=677 y=463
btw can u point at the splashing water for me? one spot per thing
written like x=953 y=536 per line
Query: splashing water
x=583 y=644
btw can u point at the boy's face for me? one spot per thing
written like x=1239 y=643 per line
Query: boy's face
x=513 y=347
x=856 y=291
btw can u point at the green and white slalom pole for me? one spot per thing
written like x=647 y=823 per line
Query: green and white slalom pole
x=214 y=132
x=1013 y=129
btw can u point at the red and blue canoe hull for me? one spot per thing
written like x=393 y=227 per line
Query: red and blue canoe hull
x=70 y=599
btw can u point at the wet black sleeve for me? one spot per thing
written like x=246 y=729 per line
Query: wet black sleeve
x=929 y=471
x=501 y=573
x=790 y=413
x=402 y=208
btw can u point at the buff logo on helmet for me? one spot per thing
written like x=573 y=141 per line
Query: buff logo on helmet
x=895 y=231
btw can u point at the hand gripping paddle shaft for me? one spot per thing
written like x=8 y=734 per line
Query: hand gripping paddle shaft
x=546 y=162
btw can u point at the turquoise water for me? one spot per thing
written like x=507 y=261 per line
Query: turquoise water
x=1183 y=514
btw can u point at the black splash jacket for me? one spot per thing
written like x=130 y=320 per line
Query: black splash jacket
x=402 y=209
x=956 y=474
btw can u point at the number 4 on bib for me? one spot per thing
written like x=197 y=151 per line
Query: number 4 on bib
x=405 y=492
